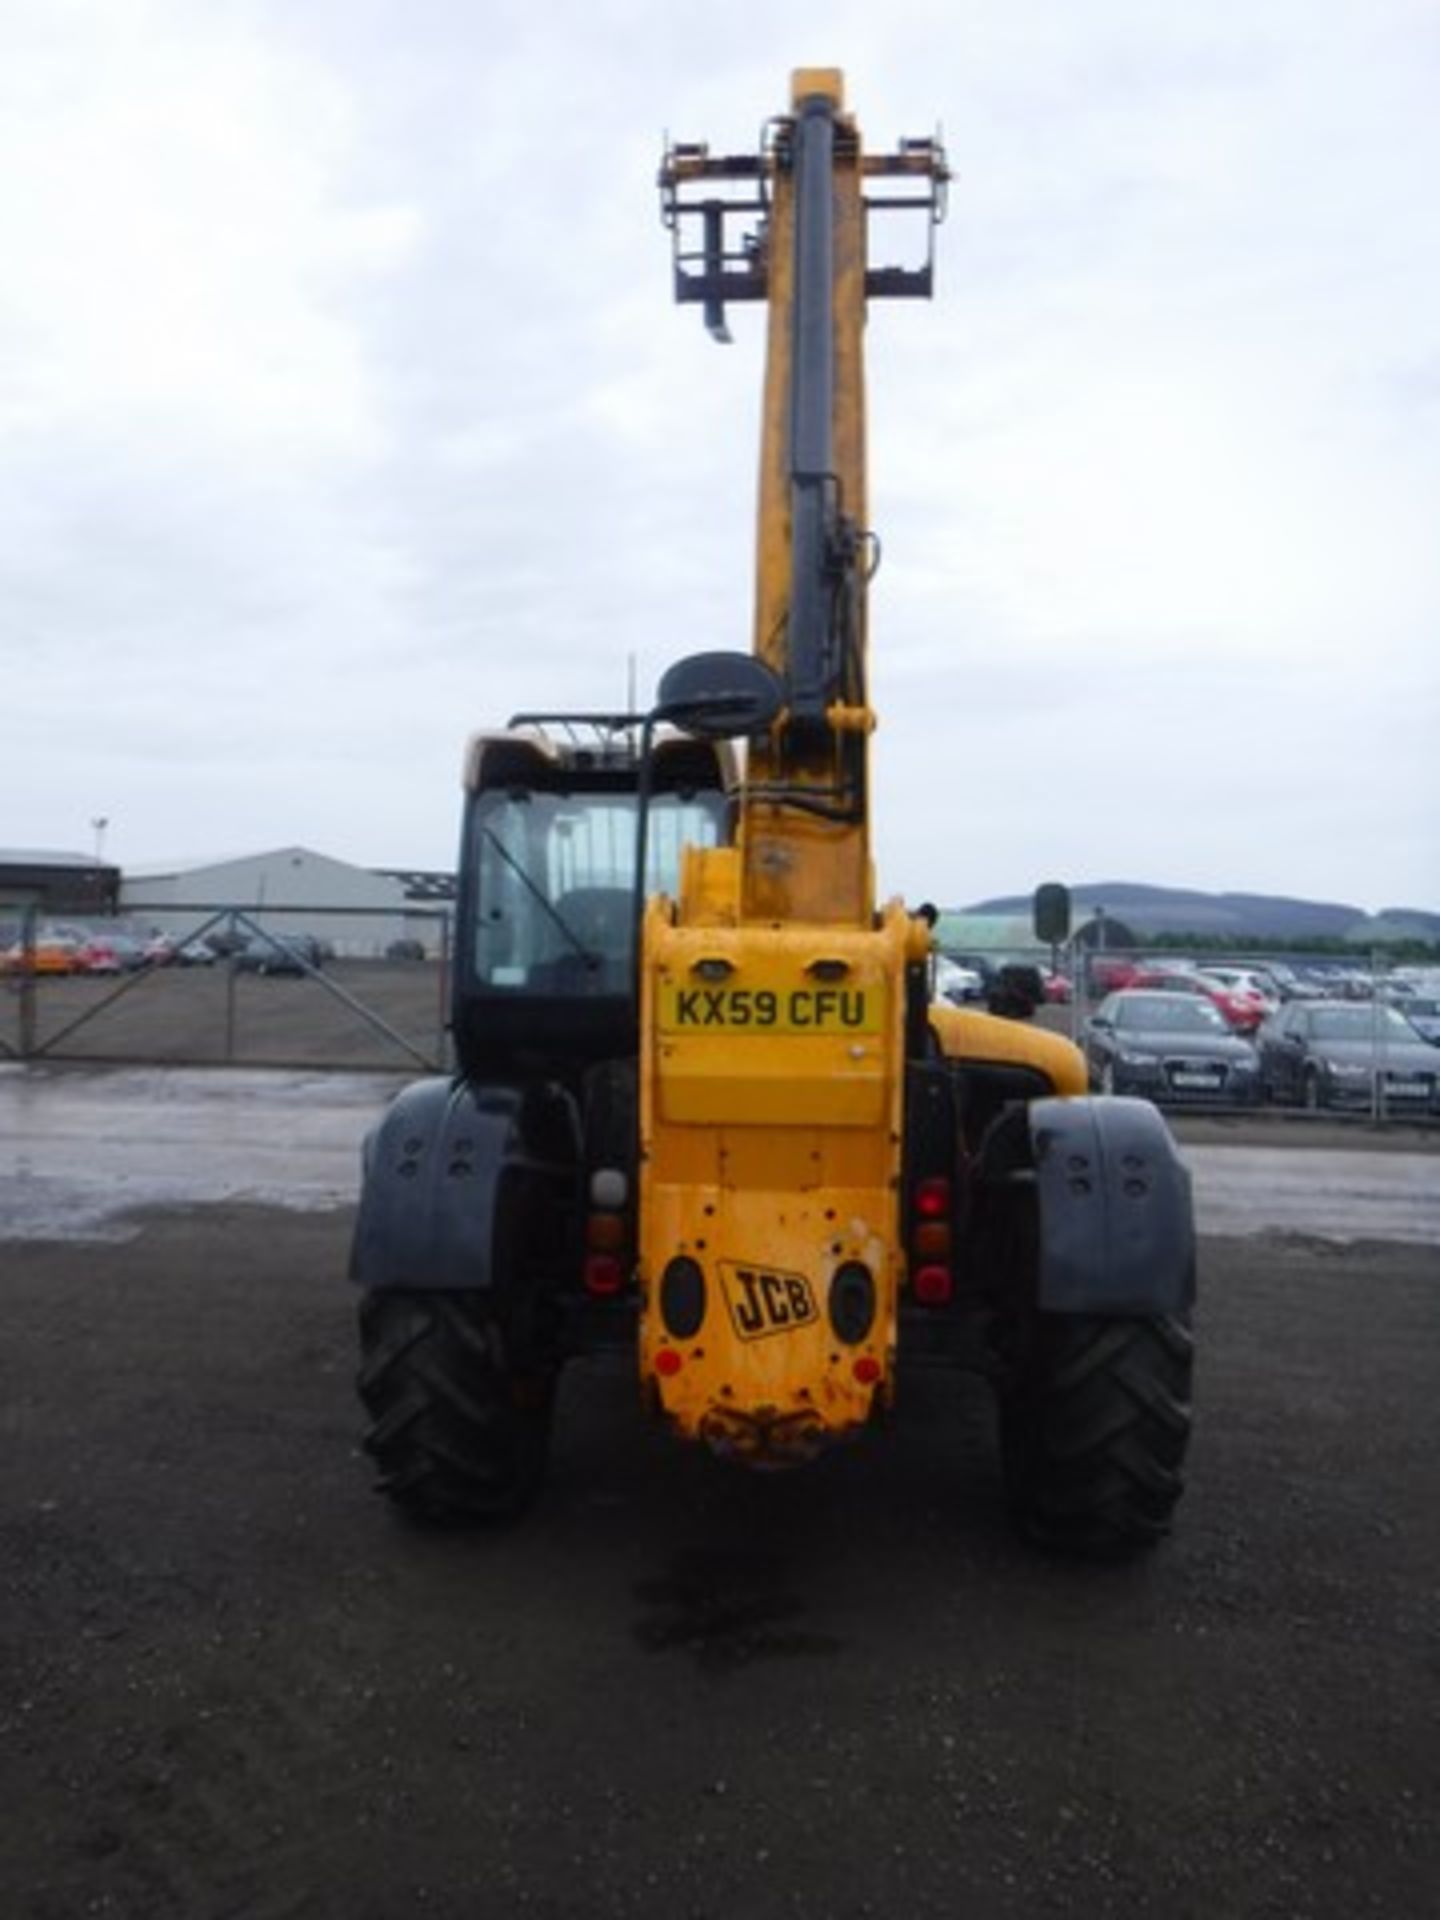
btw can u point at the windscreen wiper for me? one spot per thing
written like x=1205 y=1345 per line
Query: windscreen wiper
x=592 y=960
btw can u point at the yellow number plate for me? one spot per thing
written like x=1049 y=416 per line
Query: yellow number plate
x=781 y=1007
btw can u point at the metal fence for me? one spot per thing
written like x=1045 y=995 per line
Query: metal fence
x=226 y=984
x=314 y=986
x=1384 y=1069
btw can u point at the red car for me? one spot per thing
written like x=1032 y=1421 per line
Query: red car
x=1111 y=973
x=1243 y=1010
x=110 y=953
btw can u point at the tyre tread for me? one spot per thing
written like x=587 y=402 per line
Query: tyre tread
x=1095 y=1430
x=454 y=1434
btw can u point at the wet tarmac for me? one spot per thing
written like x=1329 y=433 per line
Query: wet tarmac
x=82 y=1148
x=1331 y=1193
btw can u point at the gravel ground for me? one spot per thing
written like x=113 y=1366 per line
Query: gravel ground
x=233 y=1685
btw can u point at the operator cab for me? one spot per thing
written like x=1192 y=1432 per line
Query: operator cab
x=548 y=910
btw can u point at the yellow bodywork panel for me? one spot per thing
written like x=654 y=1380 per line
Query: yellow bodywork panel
x=772 y=1080
x=965 y=1034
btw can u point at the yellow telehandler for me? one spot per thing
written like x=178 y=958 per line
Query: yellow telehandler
x=705 y=1108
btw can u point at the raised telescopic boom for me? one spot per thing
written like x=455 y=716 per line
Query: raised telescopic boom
x=803 y=218
x=777 y=1005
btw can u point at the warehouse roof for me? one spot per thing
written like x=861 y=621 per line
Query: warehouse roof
x=45 y=857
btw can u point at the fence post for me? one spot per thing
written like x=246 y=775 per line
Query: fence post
x=227 y=960
x=1377 y=1043
x=28 y=982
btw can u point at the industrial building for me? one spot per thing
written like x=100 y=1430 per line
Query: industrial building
x=356 y=911
x=56 y=885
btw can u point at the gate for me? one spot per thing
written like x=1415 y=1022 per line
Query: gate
x=230 y=985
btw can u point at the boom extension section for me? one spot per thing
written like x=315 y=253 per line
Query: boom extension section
x=791 y=225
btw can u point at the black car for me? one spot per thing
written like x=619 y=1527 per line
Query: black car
x=1330 y=1053
x=298 y=953
x=1172 y=1048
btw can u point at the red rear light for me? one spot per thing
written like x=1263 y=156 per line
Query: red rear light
x=604 y=1274
x=932 y=1198
x=932 y=1286
x=668 y=1361
x=866 y=1370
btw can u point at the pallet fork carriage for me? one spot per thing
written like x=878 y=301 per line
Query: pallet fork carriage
x=705 y=1111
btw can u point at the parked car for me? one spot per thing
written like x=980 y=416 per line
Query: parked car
x=1422 y=1010
x=1016 y=990
x=1253 y=982
x=1109 y=972
x=957 y=983
x=1058 y=990
x=297 y=953
x=111 y=953
x=1292 y=983
x=406 y=949
x=225 y=942
x=1329 y=1053
x=1172 y=1048
x=1240 y=1008
x=52 y=953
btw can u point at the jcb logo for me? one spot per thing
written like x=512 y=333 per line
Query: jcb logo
x=762 y=1302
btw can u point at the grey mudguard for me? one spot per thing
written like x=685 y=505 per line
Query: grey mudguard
x=1117 y=1230
x=436 y=1169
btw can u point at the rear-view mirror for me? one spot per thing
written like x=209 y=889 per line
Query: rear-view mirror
x=1051 y=913
x=719 y=696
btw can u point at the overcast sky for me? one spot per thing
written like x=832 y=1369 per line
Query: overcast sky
x=344 y=408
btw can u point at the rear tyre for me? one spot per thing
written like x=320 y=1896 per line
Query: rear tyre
x=1094 y=1425
x=458 y=1432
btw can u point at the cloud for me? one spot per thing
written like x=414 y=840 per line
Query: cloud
x=344 y=409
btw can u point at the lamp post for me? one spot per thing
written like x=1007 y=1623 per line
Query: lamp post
x=100 y=823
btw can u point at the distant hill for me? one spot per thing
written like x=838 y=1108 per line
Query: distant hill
x=1236 y=916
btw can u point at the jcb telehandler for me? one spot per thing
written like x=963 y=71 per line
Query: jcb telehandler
x=704 y=1109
